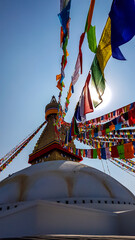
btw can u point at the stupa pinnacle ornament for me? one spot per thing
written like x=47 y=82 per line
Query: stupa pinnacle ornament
x=48 y=147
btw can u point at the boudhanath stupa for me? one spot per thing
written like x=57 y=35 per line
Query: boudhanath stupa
x=58 y=195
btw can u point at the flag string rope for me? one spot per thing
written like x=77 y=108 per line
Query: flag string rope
x=5 y=161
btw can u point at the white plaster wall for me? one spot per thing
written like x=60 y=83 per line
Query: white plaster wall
x=85 y=186
x=74 y=220
x=18 y=222
x=61 y=179
x=43 y=217
x=50 y=185
x=9 y=192
x=127 y=223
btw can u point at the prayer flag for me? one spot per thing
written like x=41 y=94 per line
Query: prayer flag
x=91 y=37
x=76 y=71
x=89 y=153
x=77 y=112
x=108 y=154
x=80 y=51
x=90 y=13
x=88 y=108
x=122 y=17
x=58 y=77
x=74 y=128
x=64 y=17
x=81 y=104
x=103 y=153
x=94 y=153
x=63 y=4
x=69 y=92
x=129 y=150
x=104 y=47
x=98 y=81
x=114 y=152
x=121 y=151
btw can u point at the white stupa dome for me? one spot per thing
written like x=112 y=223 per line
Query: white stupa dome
x=63 y=181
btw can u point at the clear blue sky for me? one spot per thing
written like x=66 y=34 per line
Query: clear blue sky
x=30 y=57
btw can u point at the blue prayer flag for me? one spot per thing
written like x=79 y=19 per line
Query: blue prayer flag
x=64 y=17
x=122 y=16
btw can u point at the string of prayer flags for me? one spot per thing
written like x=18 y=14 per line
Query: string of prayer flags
x=122 y=21
x=3 y=159
x=114 y=152
x=90 y=33
x=13 y=153
x=126 y=113
x=92 y=44
x=64 y=17
x=123 y=165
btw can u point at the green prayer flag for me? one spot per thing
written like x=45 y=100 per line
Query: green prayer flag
x=107 y=130
x=91 y=37
x=98 y=80
x=76 y=130
x=120 y=149
x=81 y=152
x=94 y=153
x=67 y=100
x=65 y=46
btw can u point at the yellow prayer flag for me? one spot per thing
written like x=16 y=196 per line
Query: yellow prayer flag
x=104 y=50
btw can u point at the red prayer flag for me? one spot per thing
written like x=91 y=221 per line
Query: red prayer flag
x=114 y=152
x=80 y=51
x=131 y=116
x=88 y=107
x=90 y=13
x=129 y=150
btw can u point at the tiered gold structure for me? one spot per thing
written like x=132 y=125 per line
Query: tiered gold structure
x=48 y=147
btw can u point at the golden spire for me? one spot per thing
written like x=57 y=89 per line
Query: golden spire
x=48 y=146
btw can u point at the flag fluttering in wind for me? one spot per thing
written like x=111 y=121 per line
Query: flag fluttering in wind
x=91 y=36
x=84 y=105
x=119 y=29
x=64 y=17
x=90 y=30
x=122 y=16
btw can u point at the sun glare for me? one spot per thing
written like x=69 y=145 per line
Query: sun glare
x=106 y=97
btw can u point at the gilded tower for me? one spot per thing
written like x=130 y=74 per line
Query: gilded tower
x=48 y=146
